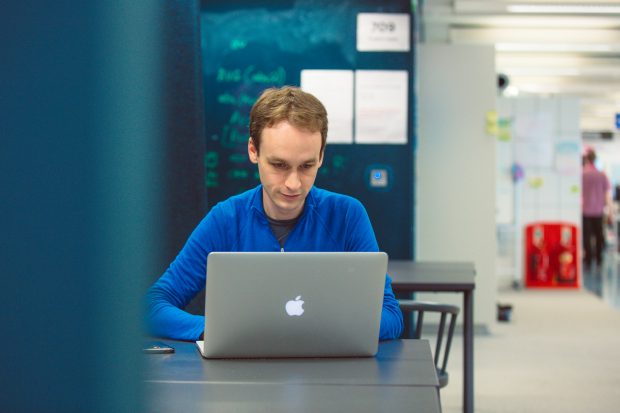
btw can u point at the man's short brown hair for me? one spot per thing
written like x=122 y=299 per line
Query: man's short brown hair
x=291 y=104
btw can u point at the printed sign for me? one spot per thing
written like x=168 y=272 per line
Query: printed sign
x=383 y=32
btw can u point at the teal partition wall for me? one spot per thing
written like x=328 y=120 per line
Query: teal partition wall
x=81 y=149
x=248 y=46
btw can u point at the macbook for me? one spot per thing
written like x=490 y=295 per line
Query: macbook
x=293 y=304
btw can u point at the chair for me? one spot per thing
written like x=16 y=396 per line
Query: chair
x=421 y=307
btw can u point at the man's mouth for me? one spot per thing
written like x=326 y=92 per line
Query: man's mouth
x=291 y=197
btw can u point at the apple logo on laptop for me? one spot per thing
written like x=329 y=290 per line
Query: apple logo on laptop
x=294 y=307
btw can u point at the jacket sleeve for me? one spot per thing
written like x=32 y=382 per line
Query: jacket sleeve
x=361 y=237
x=185 y=277
x=391 y=316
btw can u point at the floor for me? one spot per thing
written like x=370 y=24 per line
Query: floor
x=604 y=281
x=560 y=352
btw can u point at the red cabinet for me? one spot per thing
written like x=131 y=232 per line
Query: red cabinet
x=551 y=255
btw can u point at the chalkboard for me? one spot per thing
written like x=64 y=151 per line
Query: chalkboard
x=248 y=46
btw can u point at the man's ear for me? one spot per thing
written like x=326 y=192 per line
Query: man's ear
x=252 y=152
x=321 y=157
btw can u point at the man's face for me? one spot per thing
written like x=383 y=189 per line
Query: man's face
x=288 y=163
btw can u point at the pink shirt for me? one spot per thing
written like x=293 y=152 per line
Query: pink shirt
x=594 y=187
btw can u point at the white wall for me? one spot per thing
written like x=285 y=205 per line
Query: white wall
x=546 y=142
x=455 y=183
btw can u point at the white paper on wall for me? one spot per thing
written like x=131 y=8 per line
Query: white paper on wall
x=549 y=192
x=334 y=88
x=567 y=157
x=537 y=154
x=570 y=191
x=381 y=106
x=533 y=126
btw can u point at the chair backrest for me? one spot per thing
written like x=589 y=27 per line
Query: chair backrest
x=445 y=310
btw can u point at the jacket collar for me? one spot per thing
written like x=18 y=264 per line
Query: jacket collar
x=256 y=202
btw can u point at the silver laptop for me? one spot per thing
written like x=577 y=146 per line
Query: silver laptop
x=293 y=304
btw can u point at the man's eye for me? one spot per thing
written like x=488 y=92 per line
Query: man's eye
x=307 y=166
x=279 y=165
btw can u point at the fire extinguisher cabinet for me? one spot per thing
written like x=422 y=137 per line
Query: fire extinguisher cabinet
x=551 y=255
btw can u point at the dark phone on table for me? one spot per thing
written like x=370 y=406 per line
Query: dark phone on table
x=157 y=347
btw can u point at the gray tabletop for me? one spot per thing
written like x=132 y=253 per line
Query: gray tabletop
x=431 y=276
x=401 y=376
x=286 y=398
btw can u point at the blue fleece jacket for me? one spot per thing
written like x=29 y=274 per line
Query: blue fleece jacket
x=329 y=222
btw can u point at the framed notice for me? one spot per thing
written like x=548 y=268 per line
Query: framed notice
x=383 y=32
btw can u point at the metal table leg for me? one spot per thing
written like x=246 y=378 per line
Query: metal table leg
x=468 y=352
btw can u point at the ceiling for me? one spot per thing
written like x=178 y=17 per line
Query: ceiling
x=544 y=47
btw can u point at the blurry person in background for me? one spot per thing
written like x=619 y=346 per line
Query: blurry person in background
x=596 y=196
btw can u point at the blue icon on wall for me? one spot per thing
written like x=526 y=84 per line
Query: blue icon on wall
x=379 y=177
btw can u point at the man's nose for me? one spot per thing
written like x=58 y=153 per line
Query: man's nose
x=292 y=181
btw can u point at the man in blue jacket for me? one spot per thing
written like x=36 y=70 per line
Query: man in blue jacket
x=288 y=131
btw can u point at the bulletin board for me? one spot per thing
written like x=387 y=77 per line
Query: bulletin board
x=357 y=57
